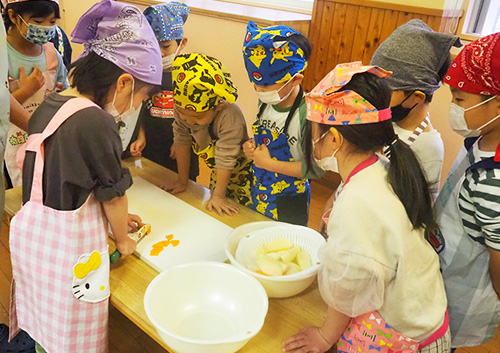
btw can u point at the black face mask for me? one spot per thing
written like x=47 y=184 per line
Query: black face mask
x=399 y=112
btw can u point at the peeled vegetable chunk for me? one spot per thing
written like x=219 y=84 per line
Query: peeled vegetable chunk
x=304 y=260
x=277 y=245
x=281 y=257
x=269 y=266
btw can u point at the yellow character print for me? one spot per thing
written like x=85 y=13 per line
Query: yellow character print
x=281 y=53
x=301 y=186
x=275 y=135
x=258 y=54
x=274 y=213
x=276 y=32
x=279 y=187
x=261 y=207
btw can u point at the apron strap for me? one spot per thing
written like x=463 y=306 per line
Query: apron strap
x=35 y=142
x=419 y=129
x=50 y=57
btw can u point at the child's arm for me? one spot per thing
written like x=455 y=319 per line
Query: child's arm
x=116 y=211
x=319 y=339
x=28 y=85
x=183 y=157
x=262 y=159
x=495 y=270
x=138 y=145
x=18 y=115
x=218 y=201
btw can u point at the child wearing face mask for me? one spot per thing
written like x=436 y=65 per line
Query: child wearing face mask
x=208 y=122
x=468 y=206
x=35 y=66
x=379 y=275
x=275 y=58
x=155 y=137
x=418 y=58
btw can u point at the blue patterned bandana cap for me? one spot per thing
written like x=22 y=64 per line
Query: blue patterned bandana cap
x=269 y=57
x=167 y=20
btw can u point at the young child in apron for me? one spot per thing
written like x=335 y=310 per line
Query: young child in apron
x=207 y=119
x=74 y=185
x=155 y=137
x=418 y=58
x=468 y=206
x=35 y=66
x=275 y=58
x=379 y=274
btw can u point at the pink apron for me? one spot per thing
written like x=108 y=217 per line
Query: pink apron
x=60 y=264
x=16 y=137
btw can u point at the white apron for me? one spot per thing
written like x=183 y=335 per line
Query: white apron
x=60 y=264
x=465 y=266
x=16 y=137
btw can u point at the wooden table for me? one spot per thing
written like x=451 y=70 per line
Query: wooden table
x=129 y=278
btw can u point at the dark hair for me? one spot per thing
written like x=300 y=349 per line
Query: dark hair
x=178 y=41
x=94 y=76
x=38 y=8
x=405 y=174
x=302 y=42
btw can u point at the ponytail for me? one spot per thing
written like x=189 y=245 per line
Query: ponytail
x=410 y=185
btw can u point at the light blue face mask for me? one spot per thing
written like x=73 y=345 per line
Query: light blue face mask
x=38 y=34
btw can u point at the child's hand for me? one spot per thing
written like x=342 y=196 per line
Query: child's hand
x=174 y=187
x=248 y=148
x=222 y=206
x=125 y=246
x=32 y=83
x=134 y=222
x=307 y=340
x=137 y=146
x=262 y=157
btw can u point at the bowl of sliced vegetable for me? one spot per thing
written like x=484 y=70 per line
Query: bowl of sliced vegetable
x=283 y=257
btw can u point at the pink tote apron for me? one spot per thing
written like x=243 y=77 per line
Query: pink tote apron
x=16 y=137
x=60 y=264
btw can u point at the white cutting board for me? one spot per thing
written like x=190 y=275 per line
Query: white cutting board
x=201 y=237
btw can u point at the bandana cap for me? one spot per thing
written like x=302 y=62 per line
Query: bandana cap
x=120 y=33
x=167 y=20
x=201 y=82
x=415 y=54
x=269 y=57
x=327 y=105
x=14 y=1
x=476 y=69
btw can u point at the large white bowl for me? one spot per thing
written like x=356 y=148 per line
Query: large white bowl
x=277 y=286
x=206 y=307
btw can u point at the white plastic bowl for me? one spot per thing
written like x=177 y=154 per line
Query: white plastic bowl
x=239 y=242
x=206 y=307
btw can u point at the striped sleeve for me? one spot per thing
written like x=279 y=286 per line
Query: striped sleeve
x=486 y=200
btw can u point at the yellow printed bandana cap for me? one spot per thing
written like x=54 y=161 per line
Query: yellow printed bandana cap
x=200 y=82
x=269 y=57
x=327 y=105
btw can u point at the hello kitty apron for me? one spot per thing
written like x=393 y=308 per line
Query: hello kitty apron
x=60 y=264
x=16 y=137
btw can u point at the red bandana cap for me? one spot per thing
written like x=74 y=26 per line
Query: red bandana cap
x=14 y=1
x=476 y=68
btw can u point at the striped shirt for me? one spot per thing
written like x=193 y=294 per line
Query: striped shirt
x=479 y=201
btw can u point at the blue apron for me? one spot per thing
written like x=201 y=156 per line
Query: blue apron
x=278 y=196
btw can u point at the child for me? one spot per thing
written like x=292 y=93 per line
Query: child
x=419 y=59
x=207 y=118
x=379 y=275
x=275 y=58
x=35 y=67
x=157 y=114
x=468 y=206
x=58 y=240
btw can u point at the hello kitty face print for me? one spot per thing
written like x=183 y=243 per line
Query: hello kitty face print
x=91 y=277
x=121 y=34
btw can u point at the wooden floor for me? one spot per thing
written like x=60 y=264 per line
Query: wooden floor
x=125 y=337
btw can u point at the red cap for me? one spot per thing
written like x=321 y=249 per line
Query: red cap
x=476 y=69
x=14 y=1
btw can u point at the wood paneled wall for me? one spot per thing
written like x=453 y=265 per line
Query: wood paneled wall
x=351 y=30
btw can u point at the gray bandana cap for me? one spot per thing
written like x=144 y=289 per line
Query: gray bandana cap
x=415 y=54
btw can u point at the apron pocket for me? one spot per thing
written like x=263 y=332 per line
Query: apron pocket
x=91 y=277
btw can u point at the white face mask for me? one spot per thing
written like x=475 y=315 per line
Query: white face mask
x=111 y=109
x=273 y=97
x=327 y=163
x=168 y=60
x=458 y=123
